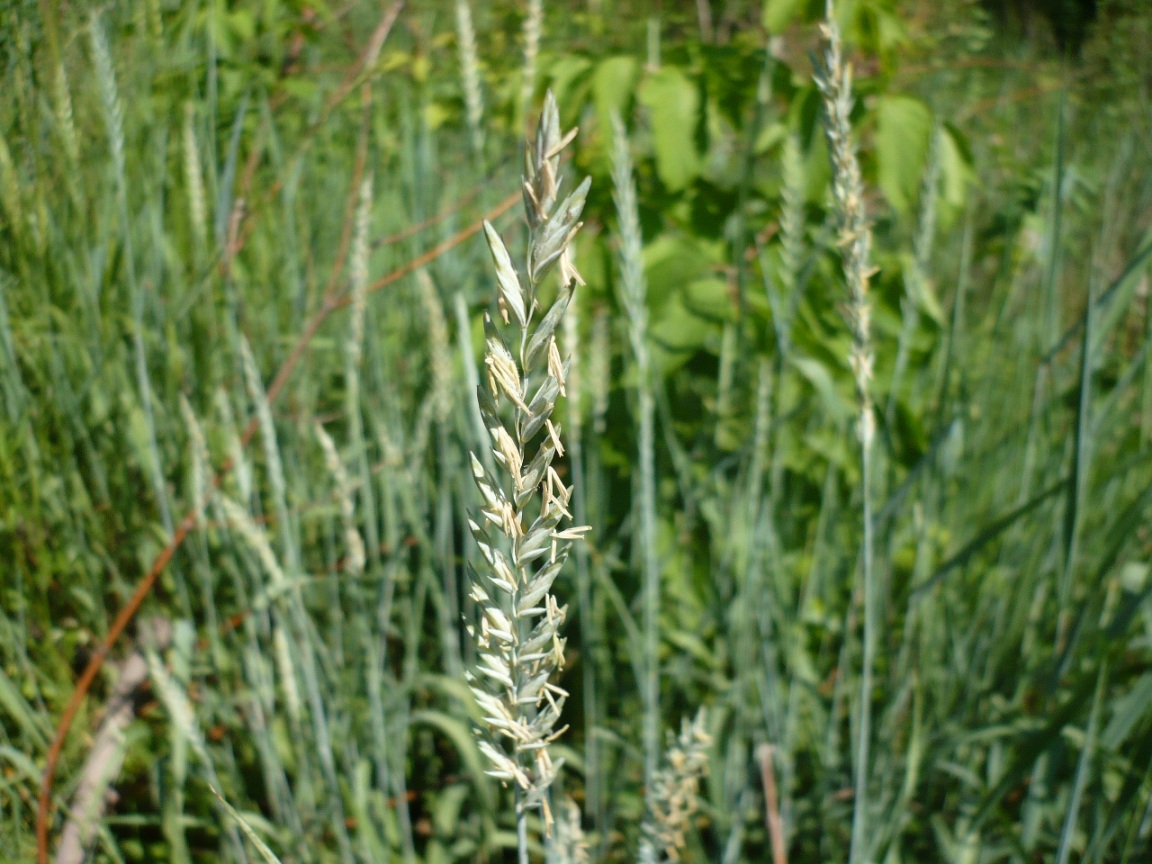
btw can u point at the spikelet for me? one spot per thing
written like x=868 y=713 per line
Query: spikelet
x=194 y=180
x=286 y=670
x=254 y=537
x=762 y=425
x=10 y=195
x=792 y=213
x=241 y=469
x=358 y=265
x=109 y=93
x=354 y=562
x=575 y=384
x=929 y=191
x=62 y=106
x=440 y=350
x=22 y=92
x=259 y=398
x=200 y=460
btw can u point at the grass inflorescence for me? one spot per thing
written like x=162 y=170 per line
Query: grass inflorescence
x=834 y=80
x=524 y=537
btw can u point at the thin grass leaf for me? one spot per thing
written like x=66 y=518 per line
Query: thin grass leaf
x=261 y=847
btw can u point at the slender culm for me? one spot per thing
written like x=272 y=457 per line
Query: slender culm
x=634 y=298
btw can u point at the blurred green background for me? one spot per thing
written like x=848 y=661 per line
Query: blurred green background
x=185 y=183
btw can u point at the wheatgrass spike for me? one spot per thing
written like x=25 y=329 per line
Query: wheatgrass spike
x=834 y=80
x=522 y=528
x=470 y=73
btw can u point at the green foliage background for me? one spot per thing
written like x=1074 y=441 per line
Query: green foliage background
x=199 y=194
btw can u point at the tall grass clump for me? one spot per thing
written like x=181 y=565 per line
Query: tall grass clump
x=524 y=535
x=834 y=80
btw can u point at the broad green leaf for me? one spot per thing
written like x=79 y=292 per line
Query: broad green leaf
x=821 y=380
x=436 y=115
x=242 y=24
x=449 y=803
x=903 y=127
x=710 y=298
x=778 y=14
x=673 y=104
x=304 y=89
x=457 y=732
x=771 y=135
x=957 y=173
x=804 y=118
x=568 y=76
x=613 y=84
x=672 y=262
x=878 y=27
x=679 y=330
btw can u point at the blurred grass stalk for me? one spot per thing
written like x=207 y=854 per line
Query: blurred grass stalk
x=470 y=77
x=633 y=297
